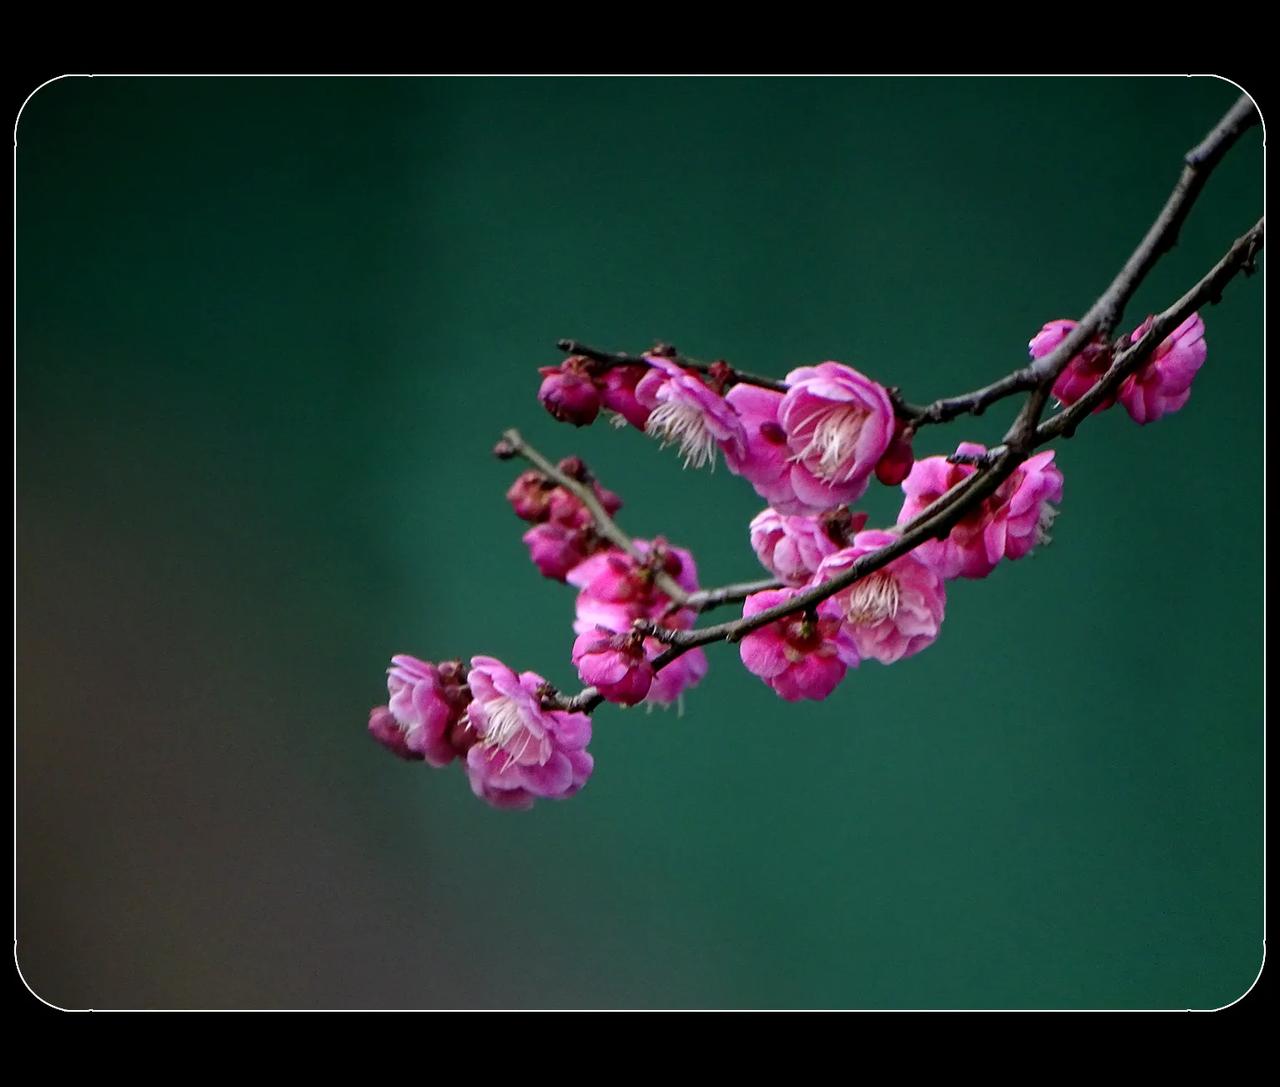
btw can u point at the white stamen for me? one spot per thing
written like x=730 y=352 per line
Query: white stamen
x=834 y=437
x=674 y=422
x=874 y=598
x=505 y=722
x=1048 y=514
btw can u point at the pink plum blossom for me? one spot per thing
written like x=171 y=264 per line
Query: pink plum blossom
x=564 y=531
x=618 y=394
x=576 y=469
x=617 y=589
x=423 y=715
x=384 y=728
x=799 y=656
x=568 y=391
x=556 y=549
x=530 y=496
x=791 y=547
x=1008 y=523
x=1163 y=385
x=763 y=461
x=839 y=424
x=615 y=664
x=1082 y=372
x=895 y=465
x=893 y=612
x=789 y=470
x=523 y=751
x=685 y=411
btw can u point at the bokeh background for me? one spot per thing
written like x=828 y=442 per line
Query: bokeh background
x=268 y=331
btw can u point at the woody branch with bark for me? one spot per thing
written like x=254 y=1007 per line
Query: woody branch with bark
x=809 y=444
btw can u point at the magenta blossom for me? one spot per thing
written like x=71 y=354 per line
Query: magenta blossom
x=384 y=728
x=537 y=498
x=685 y=411
x=799 y=656
x=893 y=612
x=615 y=664
x=523 y=751
x=617 y=589
x=530 y=496
x=763 y=459
x=895 y=465
x=675 y=678
x=839 y=424
x=423 y=716
x=556 y=549
x=1163 y=385
x=566 y=507
x=791 y=547
x=773 y=461
x=618 y=394
x=1008 y=524
x=568 y=391
x=1082 y=372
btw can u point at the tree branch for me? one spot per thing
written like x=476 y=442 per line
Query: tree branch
x=1106 y=312
x=1026 y=432
x=1100 y=320
x=706 y=599
x=605 y=525
x=610 y=359
x=1239 y=258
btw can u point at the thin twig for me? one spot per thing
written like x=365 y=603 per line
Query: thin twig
x=618 y=358
x=1239 y=258
x=605 y=525
x=1105 y=313
x=706 y=599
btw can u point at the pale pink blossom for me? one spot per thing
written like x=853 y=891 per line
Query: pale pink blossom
x=791 y=547
x=686 y=412
x=423 y=715
x=1007 y=524
x=1082 y=372
x=893 y=612
x=799 y=656
x=615 y=664
x=1163 y=385
x=569 y=392
x=523 y=751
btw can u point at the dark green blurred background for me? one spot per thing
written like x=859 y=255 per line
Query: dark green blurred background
x=268 y=331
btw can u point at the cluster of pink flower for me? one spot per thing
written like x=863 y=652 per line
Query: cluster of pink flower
x=563 y=532
x=1161 y=386
x=809 y=449
x=515 y=750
